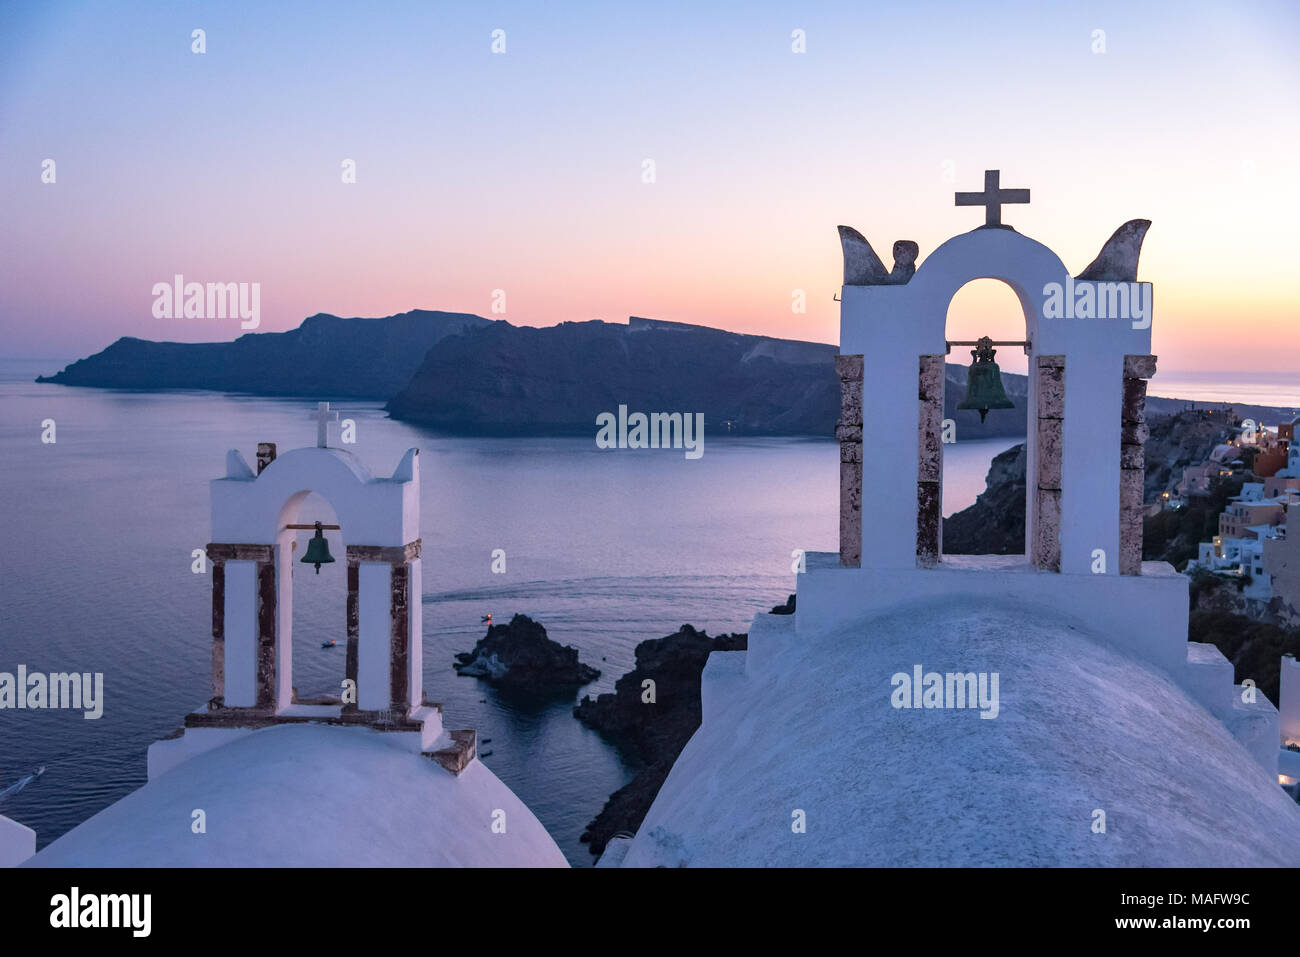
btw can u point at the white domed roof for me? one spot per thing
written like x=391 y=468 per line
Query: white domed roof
x=310 y=795
x=1080 y=727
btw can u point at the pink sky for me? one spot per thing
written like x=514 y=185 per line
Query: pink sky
x=523 y=171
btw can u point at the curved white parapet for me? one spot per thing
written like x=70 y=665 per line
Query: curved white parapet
x=309 y=795
x=1145 y=616
x=817 y=760
x=169 y=752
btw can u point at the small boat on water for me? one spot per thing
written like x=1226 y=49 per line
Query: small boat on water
x=328 y=644
x=21 y=783
x=486 y=619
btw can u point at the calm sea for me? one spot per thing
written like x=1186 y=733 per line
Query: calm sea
x=1269 y=388
x=605 y=549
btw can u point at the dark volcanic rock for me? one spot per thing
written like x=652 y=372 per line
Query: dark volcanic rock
x=504 y=379
x=1176 y=441
x=1219 y=594
x=995 y=524
x=519 y=655
x=326 y=357
x=787 y=608
x=518 y=380
x=651 y=733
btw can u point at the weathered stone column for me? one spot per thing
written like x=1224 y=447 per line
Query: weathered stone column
x=218 y=698
x=1050 y=427
x=399 y=640
x=353 y=629
x=265 y=455
x=849 y=433
x=929 y=487
x=266 y=632
x=399 y=559
x=1132 y=464
x=263 y=557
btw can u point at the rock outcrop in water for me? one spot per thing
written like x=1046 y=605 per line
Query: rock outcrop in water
x=519 y=655
x=650 y=724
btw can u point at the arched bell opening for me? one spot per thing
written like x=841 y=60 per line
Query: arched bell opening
x=985 y=391
x=368 y=606
x=1043 y=402
x=313 y=600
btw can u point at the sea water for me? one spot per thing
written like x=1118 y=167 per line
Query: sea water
x=605 y=548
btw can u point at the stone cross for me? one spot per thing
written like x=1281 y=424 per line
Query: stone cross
x=323 y=418
x=993 y=197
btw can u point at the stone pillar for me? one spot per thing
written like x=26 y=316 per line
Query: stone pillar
x=1050 y=425
x=403 y=589
x=1132 y=451
x=929 y=487
x=264 y=601
x=218 y=698
x=265 y=455
x=414 y=629
x=1288 y=704
x=266 y=634
x=354 y=629
x=399 y=640
x=849 y=433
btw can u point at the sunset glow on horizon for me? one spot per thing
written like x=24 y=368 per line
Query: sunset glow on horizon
x=523 y=171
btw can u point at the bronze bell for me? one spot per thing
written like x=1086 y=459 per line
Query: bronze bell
x=318 y=550
x=984 y=382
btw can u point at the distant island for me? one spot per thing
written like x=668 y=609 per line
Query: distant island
x=463 y=374
x=326 y=357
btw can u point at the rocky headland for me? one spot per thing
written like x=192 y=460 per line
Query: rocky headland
x=995 y=524
x=326 y=357
x=650 y=723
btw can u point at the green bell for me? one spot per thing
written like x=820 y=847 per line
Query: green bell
x=318 y=550
x=984 y=383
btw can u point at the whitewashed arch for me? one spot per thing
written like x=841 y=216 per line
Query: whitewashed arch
x=1003 y=254
x=253 y=558
x=374 y=511
x=894 y=321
